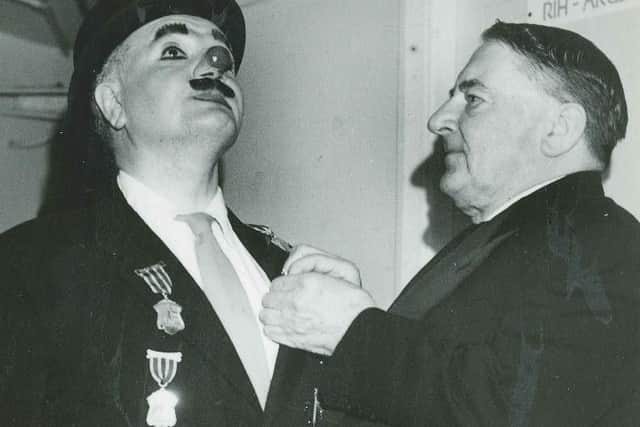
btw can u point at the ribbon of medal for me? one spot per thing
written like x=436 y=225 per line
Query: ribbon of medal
x=162 y=403
x=169 y=312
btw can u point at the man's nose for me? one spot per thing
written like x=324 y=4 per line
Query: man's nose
x=216 y=61
x=445 y=120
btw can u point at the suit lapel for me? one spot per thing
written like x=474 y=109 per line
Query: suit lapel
x=446 y=272
x=270 y=257
x=123 y=235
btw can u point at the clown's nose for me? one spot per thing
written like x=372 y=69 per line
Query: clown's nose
x=219 y=58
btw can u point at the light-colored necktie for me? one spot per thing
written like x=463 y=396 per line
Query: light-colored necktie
x=222 y=287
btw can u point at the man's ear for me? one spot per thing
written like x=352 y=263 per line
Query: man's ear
x=107 y=96
x=567 y=129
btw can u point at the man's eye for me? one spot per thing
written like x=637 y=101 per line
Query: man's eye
x=173 y=52
x=472 y=99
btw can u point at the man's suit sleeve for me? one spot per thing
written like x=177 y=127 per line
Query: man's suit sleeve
x=380 y=370
x=547 y=360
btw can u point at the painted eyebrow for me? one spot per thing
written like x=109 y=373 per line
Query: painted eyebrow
x=172 y=28
x=219 y=36
x=179 y=28
x=467 y=84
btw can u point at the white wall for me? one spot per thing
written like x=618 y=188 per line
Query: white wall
x=23 y=171
x=427 y=218
x=317 y=156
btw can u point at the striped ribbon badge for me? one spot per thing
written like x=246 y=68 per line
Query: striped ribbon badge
x=156 y=277
x=163 y=366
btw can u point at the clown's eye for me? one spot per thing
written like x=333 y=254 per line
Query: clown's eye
x=173 y=52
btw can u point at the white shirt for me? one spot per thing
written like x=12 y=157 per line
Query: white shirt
x=517 y=197
x=159 y=214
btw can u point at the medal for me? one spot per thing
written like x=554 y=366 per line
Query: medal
x=162 y=403
x=162 y=411
x=169 y=312
x=272 y=238
x=169 y=319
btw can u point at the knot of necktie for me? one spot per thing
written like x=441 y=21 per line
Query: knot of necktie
x=199 y=223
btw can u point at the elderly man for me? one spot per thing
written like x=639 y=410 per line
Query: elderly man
x=532 y=315
x=141 y=307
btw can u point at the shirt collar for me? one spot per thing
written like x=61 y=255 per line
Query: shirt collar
x=151 y=205
x=217 y=208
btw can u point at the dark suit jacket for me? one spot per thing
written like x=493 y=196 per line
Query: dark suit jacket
x=531 y=319
x=77 y=322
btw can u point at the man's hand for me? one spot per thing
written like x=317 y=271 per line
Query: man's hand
x=312 y=307
x=307 y=259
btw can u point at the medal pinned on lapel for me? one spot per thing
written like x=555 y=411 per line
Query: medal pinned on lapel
x=169 y=312
x=162 y=403
x=272 y=238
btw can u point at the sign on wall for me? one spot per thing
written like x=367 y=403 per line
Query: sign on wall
x=552 y=12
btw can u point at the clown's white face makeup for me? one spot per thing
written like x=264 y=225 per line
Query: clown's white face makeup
x=177 y=92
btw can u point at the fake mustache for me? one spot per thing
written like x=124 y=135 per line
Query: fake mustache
x=206 y=84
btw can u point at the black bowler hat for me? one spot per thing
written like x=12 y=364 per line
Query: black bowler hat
x=110 y=22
